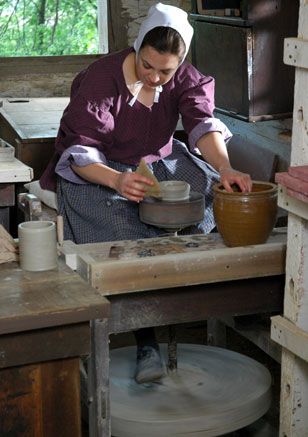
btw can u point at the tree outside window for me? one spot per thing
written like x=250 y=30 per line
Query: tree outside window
x=52 y=27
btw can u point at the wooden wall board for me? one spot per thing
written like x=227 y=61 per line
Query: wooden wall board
x=158 y=263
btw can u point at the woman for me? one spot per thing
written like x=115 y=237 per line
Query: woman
x=125 y=107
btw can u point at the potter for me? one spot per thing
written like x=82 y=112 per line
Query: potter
x=124 y=108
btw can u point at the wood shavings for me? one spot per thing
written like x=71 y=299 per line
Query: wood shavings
x=8 y=247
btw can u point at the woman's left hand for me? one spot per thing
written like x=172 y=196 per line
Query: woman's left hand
x=229 y=176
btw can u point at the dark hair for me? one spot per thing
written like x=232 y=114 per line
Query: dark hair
x=165 y=40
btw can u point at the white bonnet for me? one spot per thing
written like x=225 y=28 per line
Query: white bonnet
x=166 y=16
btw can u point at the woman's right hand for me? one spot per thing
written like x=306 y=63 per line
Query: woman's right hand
x=132 y=185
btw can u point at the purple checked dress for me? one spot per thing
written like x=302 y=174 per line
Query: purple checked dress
x=99 y=125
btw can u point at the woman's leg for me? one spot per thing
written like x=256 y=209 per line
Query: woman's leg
x=94 y=214
x=149 y=365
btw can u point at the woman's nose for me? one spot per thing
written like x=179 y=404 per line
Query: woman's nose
x=154 y=77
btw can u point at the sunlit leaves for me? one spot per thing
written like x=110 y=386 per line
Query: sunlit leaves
x=68 y=27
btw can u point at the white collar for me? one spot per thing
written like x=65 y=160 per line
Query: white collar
x=138 y=85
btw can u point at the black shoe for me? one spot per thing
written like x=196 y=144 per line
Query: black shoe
x=149 y=365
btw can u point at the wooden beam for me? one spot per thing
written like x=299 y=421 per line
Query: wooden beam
x=102 y=17
x=294 y=371
x=296 y=52
x=173 y=262
x=292 y=204
x=290 y=336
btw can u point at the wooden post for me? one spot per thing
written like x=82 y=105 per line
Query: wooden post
x=98 y=381
x=294 y=382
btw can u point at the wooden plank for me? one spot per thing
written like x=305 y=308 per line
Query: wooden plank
x=290 y=336
x=9 y=129
x=41 y=400
x=132 y=311
x=257 y=333
x=61 y=398
x=41 y=132
x=44 y=345
x=166 y=262
x=13 y=105
x=296 y=52
x=300 y=172
x=98 y=381
x=35 y=118
x=291 y=203
x=32 y=300
x=15 y=67
x=15 y=171
x=300 y=196
x=292 y=182
x=20 y=402
x=294 y=371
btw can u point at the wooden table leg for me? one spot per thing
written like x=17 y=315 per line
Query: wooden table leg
x=172 y=350
x=98 y=380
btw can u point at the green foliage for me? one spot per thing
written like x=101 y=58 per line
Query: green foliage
x=48 y=27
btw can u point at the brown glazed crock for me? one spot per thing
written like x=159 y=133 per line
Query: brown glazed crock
x=245 y=218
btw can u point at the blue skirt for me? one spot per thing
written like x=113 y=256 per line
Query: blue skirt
x=94 y=213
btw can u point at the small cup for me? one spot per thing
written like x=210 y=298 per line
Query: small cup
x=173 y=191
x=37 y=246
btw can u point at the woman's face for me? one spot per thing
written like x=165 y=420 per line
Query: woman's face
x=154 y=68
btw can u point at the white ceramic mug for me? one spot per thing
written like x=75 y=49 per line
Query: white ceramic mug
x=37 y=246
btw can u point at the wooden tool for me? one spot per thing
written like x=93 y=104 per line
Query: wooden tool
x=144 y=170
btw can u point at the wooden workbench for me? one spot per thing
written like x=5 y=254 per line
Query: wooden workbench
x=31 y=126
x=171 y=280
x=44 y=328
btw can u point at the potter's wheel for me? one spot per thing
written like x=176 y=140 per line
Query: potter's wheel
x=172 y=215
x=213 y=392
